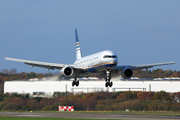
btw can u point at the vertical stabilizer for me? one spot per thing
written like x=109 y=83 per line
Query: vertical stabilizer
x=78 y=50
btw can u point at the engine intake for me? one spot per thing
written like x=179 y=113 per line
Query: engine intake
x=127 y=73
x=66 y=71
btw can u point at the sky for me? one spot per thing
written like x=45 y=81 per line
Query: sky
x=139 y=32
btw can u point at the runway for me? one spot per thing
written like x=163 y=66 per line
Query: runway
x=90 y=116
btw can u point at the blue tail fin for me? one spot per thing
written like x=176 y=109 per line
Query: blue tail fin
x=78 y=50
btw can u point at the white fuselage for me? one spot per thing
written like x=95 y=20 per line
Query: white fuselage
x=99 y=61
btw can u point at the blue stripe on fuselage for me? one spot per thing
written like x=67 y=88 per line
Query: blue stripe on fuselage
x=94 y=69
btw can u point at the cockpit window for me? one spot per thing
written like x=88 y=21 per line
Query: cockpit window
x=110 y=56
x=114 y=56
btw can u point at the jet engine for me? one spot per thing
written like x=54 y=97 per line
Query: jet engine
x=127 y=73
x=66 y=71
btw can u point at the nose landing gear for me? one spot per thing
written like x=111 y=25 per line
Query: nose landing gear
x=108 y=78
x=109 y=84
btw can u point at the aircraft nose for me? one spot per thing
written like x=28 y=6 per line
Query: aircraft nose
x=115 y=61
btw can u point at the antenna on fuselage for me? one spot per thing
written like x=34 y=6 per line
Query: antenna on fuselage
x=78 y=50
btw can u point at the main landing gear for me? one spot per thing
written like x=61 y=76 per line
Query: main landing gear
x=75 y=82
x=108 y=78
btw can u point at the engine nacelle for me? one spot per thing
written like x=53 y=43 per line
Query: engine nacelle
x=127 y=73
x=66 y=71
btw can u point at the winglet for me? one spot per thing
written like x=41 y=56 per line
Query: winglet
x=78 y=50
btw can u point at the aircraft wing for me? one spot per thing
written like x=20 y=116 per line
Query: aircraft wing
x=45 y=64
x=145 y=66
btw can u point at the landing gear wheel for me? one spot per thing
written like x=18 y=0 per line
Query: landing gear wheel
x=106 y=84
x=75 y=83
x=110 y=84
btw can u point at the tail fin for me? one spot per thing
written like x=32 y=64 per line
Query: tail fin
x=78 y=50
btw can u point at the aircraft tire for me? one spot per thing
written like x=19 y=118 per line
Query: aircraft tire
x=106 y=84
x=77 y=83
x=110 y=84
x=73 y=83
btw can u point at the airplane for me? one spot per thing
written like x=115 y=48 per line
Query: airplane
x=104 y=63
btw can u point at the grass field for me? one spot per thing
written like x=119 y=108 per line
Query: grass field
x=164 y=113
x=34 y=118
x=141 y=113
x=159 y=113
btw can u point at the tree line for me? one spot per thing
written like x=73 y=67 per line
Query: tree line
x=99 y=101
x=158 y=73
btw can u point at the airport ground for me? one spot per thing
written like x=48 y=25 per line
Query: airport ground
x=91 y=115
